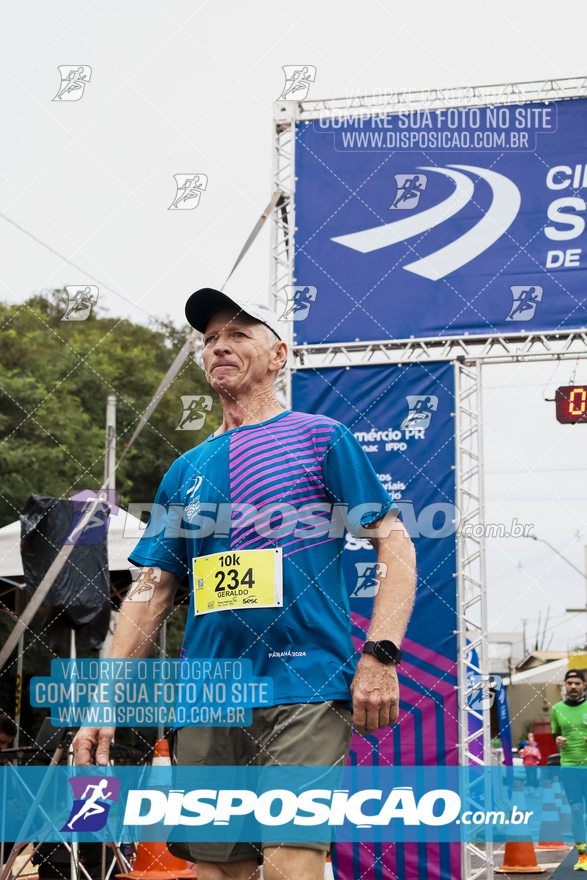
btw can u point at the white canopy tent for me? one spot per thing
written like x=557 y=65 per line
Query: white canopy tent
x=123 y=533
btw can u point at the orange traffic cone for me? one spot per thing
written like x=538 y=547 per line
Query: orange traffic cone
x=154 y=861
x=550 y=821
x=328 y=872
x=161 y=756
x=519 y=856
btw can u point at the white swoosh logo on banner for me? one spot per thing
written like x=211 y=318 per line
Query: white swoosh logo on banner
x=382 y=236
x=500 y=216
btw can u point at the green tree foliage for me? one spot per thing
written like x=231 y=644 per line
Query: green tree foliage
x=54 y=380
x=55 y=377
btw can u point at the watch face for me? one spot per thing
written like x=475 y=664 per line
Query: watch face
x=385 y=651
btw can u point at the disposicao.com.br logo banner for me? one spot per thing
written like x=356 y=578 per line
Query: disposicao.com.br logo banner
x=277 y=804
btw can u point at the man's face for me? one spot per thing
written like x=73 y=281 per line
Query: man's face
x=575 y=687
x=237 y=355
x=5 y=740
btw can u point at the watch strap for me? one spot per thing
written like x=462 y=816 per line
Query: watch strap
x=395 y=654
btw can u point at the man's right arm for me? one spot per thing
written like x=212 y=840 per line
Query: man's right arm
x=136 y=633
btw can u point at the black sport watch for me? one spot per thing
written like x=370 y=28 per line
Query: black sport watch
x=384 y=651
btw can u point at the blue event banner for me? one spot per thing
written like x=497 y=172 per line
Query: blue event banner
x=276 y=804
x=147 y=693
x=441 y=223
x=403 y=417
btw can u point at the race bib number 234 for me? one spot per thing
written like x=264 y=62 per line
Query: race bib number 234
x=238 y=579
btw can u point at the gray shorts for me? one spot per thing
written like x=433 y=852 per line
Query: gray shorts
x=295 y=734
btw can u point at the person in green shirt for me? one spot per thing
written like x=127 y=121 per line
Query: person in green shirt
x=568 y=722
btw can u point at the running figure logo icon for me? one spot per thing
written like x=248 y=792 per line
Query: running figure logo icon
x=421 y=407
x=297 y=82
x=299 y=300
x=143 y=584
x=74 y=79
x=194 y=413
x=80 y=302
x=409 y=189
x=369 y=575
x=95 y=529
x=484 y=689
x=525 y=299
x=189 y=188
x=90 y=809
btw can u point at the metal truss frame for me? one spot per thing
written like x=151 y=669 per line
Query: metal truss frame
x=469 y=353
x=472 y=624
x=283 y=223
x=402 y=100
x=498 y=348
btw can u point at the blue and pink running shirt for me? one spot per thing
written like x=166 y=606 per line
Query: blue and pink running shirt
x=284 y=483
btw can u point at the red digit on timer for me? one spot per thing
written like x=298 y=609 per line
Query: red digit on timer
x=582 y=394
x=571 y=404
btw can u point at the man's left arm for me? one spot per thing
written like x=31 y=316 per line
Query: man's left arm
x=375 y=688
x=555 y=727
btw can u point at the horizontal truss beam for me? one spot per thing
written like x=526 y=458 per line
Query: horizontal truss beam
x=402 y=100
x=490 y=348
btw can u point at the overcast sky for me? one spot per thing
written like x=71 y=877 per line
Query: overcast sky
x=182 y=87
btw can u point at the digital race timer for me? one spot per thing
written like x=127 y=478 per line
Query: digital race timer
x=571 y=404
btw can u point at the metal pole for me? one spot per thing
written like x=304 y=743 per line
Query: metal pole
x=482 y=561
x=18 y=696
x=162 y=654
x=110 y=456
x=74 y=853
x=463 y=731
x=291 y=225
x=463 y=715
x=3 y=820
x=19 y=602
x=483 y=615
x=110 y=474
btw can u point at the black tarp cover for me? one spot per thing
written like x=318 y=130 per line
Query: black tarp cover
x=80 y=595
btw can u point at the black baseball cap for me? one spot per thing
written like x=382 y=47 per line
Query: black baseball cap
x=205 y=302
x=575 y=673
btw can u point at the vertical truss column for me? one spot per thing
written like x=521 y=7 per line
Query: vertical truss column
x=283 y=223
x=472 y=595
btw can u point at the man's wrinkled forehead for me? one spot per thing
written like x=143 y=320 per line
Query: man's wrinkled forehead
x=233 y=317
